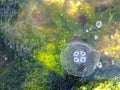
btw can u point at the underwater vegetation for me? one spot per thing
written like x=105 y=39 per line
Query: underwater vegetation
x=34 y=33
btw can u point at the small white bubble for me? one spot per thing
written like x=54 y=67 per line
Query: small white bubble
x=106 y=52
x=96 y=37
x=11 y=46
x=76 y=23
x=99 y=24
x=112 y=37
x=5 y=57
x=90 y=29
x=61 y=14
x=113 y=62
x=67 y=20
x=81 y=8
x=87 y=30
x=113 y=52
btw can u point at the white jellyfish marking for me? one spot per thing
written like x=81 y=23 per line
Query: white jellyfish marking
x=76 y=59
x=106 y=52
x=96 y=37
x=99 y=65
x=99 y=24
x=82 y=53
x=82 y=59
x=76 y=53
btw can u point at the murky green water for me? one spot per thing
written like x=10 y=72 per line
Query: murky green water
x=33 y=39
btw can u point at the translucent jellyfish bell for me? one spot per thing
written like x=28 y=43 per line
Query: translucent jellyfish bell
x=79 y=58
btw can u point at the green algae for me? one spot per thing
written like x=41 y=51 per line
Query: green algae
x=44 y=43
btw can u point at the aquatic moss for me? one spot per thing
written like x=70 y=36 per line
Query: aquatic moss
x=100 y=85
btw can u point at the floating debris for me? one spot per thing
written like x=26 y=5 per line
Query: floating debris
x=11 y=46
x=99 y=24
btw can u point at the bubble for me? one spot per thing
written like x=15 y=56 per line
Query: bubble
x=79 y=58
x=99 y=65
x=68 y=20
x=112 y=37
x=5 y=57
x=96 y=37
x=61 y=14
x=87 y=30
x=106 y=52
x=99 y=24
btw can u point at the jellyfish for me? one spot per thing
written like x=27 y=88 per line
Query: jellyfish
x=80 y=59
